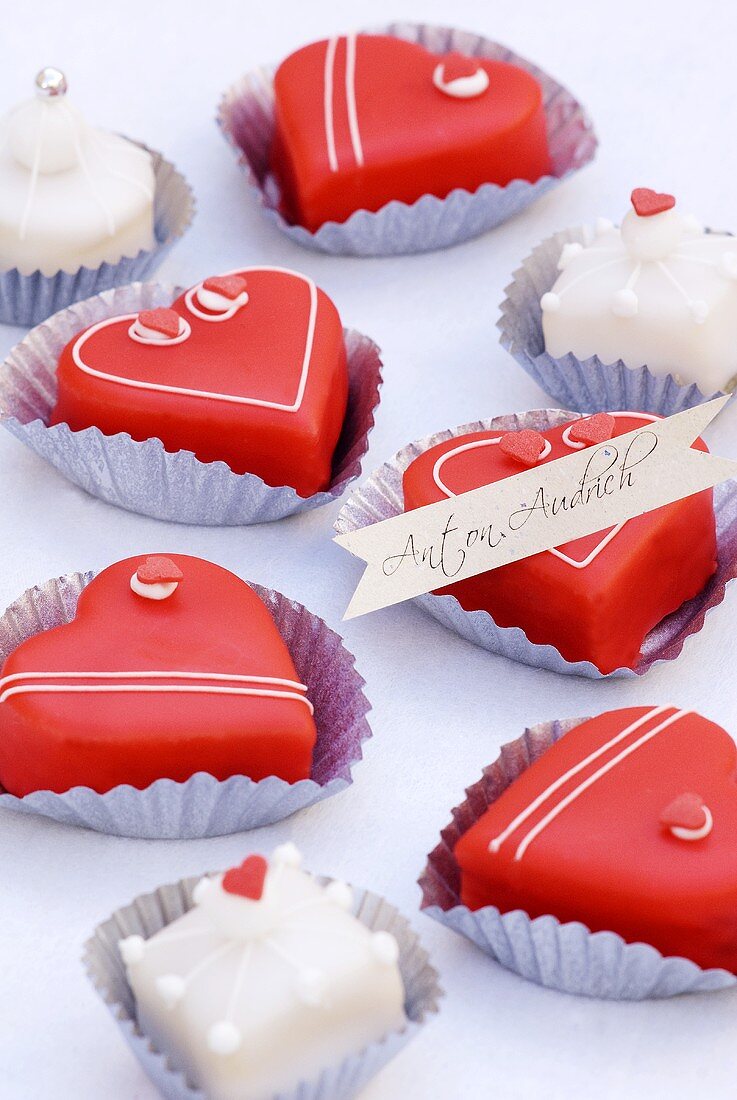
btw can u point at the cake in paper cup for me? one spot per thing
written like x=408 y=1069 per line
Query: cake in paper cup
x=595 y=856
x=262 y=981
x=640 y=316
x=403 y=139
x=610 y=604
x=166 y=697
x=239 y=400
x=81 y=209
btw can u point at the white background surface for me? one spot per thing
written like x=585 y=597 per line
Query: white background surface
x=659 y=80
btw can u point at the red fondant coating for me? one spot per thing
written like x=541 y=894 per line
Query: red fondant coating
x=158 y=570
x=646 y=203
x=414 y=138
x=605 y=859
x=247 y=880
x=600 y=613
x=258 y=353
x=212 y=623
x=593 y=429
x=165 y=321
x=523 y=447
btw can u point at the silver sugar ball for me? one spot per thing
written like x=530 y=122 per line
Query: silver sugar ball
x=51 y=82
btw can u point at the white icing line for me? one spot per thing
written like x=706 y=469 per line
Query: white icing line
x=328 y=103
x=22 y=687
x=138 y=333
x=566 y=802
x=220 y=312
x=350 y=95
x=33 y=182
x=682 y=833
x=106 y=211
x=186 y=392
x=470 y=447
x=496 y=843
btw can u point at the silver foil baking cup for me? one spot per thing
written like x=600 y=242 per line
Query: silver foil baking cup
x=152 y=912
x=381 y=497
x=143 y=476
x=246 y=117
x=204 y=806
x=29 y=299
x=587 y=385
x=560 y=956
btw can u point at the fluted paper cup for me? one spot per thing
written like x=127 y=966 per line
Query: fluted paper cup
x=204 y=806
x=246 y=117
x=381 y=497
x=151 y=912
x=564 y=956
x=586 y=385
x=29 y=299
x=143 y=476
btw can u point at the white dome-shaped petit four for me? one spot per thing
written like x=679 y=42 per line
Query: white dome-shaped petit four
x=657 y=292
x=70 y=195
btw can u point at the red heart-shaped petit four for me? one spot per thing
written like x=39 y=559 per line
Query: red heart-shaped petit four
x=525 y=447
x=366 y=119
x=256 y=379
x=647 y=203
x=158 y=570
x=135 y=689
x=593 y=429
x=596 y=598
x=247 y=881
x=579 y=834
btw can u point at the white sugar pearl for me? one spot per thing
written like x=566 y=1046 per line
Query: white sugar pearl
x=624 y=303
x=288 y=855
x=132 y=949
x=550 y=303
x=699 y=311
x=569 y=252
x=203 y=887
x=385 y=948
x=224 y=1038
x=310 y=986
x=340 y=894
x=170 y=988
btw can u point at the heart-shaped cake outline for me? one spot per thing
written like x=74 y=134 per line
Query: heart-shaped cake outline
x=608 y=537
x=182 y=391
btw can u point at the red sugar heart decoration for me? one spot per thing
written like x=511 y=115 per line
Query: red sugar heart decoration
x=595 y=429
x=524 y=447
x=162 y=320
x=158 y=570
x=247 y=880
x=686 y=811
x=230 y=286
x=647 y=203
x=457 y=65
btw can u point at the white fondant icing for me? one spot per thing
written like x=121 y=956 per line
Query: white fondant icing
x=69 y=195
x=160 y=590
x=184 y=391
x=340 y=894
x=144 y=335
x=132 y=949
x=462 y=87
x=204 y=683
x=351 y=47
x=658 y=292
x=265 y=1004
x=571 y=249
x=684 y=833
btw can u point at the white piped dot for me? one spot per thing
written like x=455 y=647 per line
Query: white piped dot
x=132 y=949
x=624 y=303
x=699 y=311
x=288 y=855
x=550 y=303
x=171 y=989
x=569 y=252
x=204 y=886
x=385 y=948
x=224 y=1038
x=310 y=986
x=340 y=894
x=603 y=225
